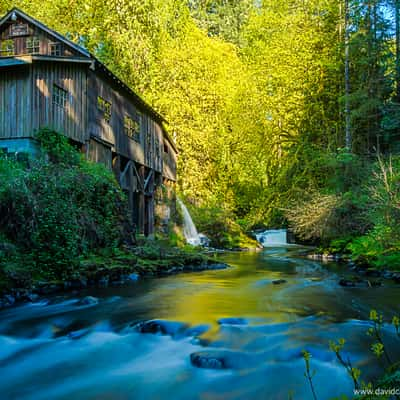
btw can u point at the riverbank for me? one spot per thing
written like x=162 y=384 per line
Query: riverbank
x=212 y=333
x=122 y=266
x=362 y=272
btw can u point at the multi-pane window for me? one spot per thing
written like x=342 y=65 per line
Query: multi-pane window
x=105 y=107
x=132 y=128
x=60 y=96
x=55 y=49
x=7 y=48
x=32 y=45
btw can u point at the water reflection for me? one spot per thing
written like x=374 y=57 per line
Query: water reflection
x=62 y=349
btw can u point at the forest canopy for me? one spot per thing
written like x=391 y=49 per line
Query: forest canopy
x=273 y=104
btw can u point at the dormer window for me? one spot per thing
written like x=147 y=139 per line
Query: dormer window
x=32 y=45
x=7 y=48
x=55 y=49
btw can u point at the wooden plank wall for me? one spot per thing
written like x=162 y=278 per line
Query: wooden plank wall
x=44 y=37
x=15 y=102
x=147 y=150
x=71 y=121
x=169 y=161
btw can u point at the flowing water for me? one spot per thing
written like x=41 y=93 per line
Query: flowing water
x=189 y=228
x=62 y=349
x=272 y=237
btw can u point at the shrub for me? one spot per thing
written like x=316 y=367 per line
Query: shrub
x=325 y=217
x=56 y=211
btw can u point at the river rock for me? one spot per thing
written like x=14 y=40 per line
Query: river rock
x=232 y=321
x=89 y=301
x=359 y=283
x=158 y=326
x=396 y=277
x=347 y=283
x=217 y=266
x=209 y=360
x=133 y=277
x=103 y=281
x=32 y=297
x=279 y=281
x=9 y=299
x=374 y=273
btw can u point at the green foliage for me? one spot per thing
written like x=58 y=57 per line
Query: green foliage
x=253 y=92
x=56 y=211
x=57 y=147
x=219 y=226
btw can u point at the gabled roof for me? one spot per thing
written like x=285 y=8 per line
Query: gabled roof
x=98 y=65
x=43 y=27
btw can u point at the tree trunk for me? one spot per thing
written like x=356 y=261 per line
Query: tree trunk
x=397 y=19
x=348 y=139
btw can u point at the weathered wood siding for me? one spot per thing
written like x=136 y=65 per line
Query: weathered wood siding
x=99 y=153
x=169 y=161
x=33 y=31
x=70 y=120
x=146 y=149
x=15 y=102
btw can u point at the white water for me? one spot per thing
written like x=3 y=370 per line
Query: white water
x=274 y=237
x=189 y=228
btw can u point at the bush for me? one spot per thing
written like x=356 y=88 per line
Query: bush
x=218 y=225
x=326 y=217
x=380 y=247
x=56 y=210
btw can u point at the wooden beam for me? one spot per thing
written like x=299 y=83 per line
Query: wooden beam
x=148 y=179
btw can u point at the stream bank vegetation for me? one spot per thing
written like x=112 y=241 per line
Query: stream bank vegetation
x=63 y=224
x=387 y=386
x=285 y=113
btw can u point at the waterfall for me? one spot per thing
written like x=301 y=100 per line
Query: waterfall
x=274 y=237
x=189 y=229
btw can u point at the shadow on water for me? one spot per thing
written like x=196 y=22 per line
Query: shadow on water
x=245 y=326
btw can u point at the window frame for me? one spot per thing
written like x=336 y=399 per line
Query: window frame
x=32 y=45
x=7 y=48
x=132 y=127
x=55 y=49
x=105 y=107
x=60 y=96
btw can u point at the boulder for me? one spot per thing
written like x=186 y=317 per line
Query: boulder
x=279 y=281
x=208 y=360
x=158 y=326
x=347 y=283
x=9 y=299
x=217 y=266
x=89 y=301
x=232 y=321
x=133 y=277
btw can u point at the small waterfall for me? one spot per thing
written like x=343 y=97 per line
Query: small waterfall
x=274 y=237
x=189 y=229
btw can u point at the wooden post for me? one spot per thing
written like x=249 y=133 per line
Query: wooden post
x=116 y=166
x=141 y=204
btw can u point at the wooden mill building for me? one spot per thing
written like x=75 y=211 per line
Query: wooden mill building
x=48 y=81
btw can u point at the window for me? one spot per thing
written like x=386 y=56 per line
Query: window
x=132 y=128
x=165 y=148
x=60 y=96
x=105 y=107
x=55 y=49
x=7 y=48
x=32 y=45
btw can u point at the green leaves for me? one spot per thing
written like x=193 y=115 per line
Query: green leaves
x=57 y=211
